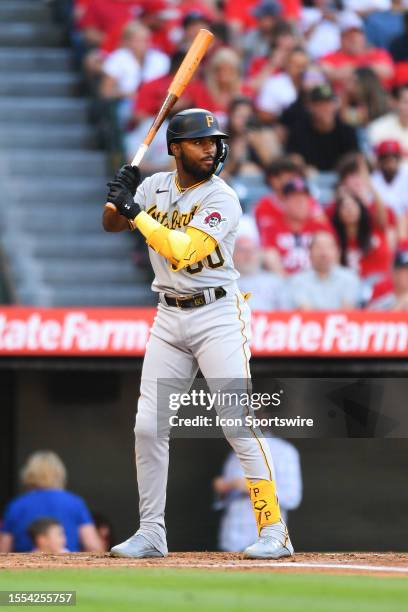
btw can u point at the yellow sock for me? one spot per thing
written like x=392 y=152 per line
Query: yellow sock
x=265 y=502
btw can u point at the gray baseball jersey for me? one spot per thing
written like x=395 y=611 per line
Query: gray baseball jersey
x=213 y=207
x=213 y=338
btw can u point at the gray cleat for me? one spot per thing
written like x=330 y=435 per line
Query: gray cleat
x=137 y=547
x=273 y=543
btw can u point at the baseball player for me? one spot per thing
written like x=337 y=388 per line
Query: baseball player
x=189 y=218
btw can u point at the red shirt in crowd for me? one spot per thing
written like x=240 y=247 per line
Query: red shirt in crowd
x=377 y=261
x=150 y=95
x=391 y=216
x=105 y=15
x=268 y=211
x=257 y=64
x=159 y=38
x=184 y=7
x=112 y=16
x=369 y=58
x=293 y=247
x=242 y=11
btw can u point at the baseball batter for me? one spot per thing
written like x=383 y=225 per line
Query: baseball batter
x=189 y=219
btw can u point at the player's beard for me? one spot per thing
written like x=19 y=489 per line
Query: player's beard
x=194 y=169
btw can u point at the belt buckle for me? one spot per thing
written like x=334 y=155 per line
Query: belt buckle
x=199 y=300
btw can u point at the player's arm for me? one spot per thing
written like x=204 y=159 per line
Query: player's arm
x=181 y=249
x=89 y=538
x=222 y=485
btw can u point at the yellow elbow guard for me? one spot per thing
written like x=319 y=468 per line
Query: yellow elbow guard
x=181 y=249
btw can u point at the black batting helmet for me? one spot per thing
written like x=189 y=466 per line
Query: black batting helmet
x=193 y=123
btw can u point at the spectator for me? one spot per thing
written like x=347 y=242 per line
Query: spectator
x=223 y=83
x=365 y=7
x=48 y=536
x=258 y=40
x=321 y=137
x=44 y=477
x=238 y=527
x=399 y=46
x=192 y=23
x=153 y=15
x=96 y=18
x=295 y=112
x=146 y=104
x=252 y=145
x=128 y=66
x=320 y=28
x=268 y=291
x=354 y=53
x=264 y=66
x=390 y=180
x=281 y=90
x=355 y=177
x=186 y=7
x=240 y=14
x=150 y=95
x=160 y=20
x=287 y=241
x=326 y=286
x=363 y=100
x=394 y=125
x=400 y=278
x=100 y=25
x=383 y=25
x=363 y=242
x=247 y=227
x=270 y=207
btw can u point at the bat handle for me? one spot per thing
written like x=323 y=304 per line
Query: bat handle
x=139 y=154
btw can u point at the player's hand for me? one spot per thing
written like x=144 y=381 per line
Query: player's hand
x=128 y=176
x=123 y=199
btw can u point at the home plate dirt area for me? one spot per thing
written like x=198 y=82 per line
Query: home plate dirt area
x=377 y=564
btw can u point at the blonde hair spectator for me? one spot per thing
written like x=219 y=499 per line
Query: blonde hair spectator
x=134 y=27
x=224 y=76
x=44 y=477
x=43 y=470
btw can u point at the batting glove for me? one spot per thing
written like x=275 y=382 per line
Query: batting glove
x=122 y=198
x=128 y=176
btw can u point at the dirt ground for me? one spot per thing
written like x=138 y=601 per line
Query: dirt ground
x=377 y=564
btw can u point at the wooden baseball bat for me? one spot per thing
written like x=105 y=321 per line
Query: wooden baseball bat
x=180 y=81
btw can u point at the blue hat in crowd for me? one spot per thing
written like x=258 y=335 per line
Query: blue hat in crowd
x=267 y=7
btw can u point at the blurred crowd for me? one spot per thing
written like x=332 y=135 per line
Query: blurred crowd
x=45 y=518
x=314 y=95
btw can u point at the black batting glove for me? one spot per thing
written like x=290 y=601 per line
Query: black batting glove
x=122 y=198
x=128 y=176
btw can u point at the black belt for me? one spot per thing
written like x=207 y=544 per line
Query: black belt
x=196 y=300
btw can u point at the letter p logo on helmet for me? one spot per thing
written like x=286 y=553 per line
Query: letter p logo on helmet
x=210 y=120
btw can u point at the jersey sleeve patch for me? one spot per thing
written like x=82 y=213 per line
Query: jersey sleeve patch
x=213 y=218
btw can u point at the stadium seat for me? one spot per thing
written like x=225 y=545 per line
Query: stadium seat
x=249 y=188
x=54 y=177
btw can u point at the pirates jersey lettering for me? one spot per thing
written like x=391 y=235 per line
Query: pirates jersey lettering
x=212 y=207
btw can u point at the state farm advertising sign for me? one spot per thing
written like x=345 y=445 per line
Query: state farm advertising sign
x=74 y=332
x=122 y=332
